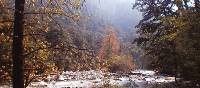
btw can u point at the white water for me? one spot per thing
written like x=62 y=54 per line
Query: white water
x=89 y=79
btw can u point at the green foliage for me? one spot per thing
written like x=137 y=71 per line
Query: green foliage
x=170 y=38
x=154 y=39
x=187 y=41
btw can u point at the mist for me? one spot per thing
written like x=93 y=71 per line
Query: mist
x=117 y=13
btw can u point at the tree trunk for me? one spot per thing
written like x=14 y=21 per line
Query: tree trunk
x=17 y=47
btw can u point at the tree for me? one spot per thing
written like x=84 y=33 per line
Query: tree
x=109 y=46
x=39 y=18
x=18 y=47
x=35 y=49
x=151 y=31
x=187 y=41
x=170 y=39
x=5 y=42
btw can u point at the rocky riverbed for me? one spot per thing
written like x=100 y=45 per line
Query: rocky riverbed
x=93 y=79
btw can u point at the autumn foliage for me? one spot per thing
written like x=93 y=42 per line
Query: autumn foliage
x=121 y=64
x=110 y=45
x=110 y=56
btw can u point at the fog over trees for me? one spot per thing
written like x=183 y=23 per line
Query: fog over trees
x=100 y=43
x=118 y=13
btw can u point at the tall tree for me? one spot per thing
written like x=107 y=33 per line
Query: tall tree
x=17 y=50
x=110 y=45
x=170 y=37
x=38 y=42
x=151 y=31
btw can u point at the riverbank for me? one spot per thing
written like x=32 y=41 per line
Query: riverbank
x=90 y=79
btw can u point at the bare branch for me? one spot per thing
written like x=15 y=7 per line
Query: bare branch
x=5 y=21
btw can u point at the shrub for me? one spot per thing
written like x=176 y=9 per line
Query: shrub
x=121 y=64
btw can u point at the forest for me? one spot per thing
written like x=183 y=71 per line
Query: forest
x=99 y=44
